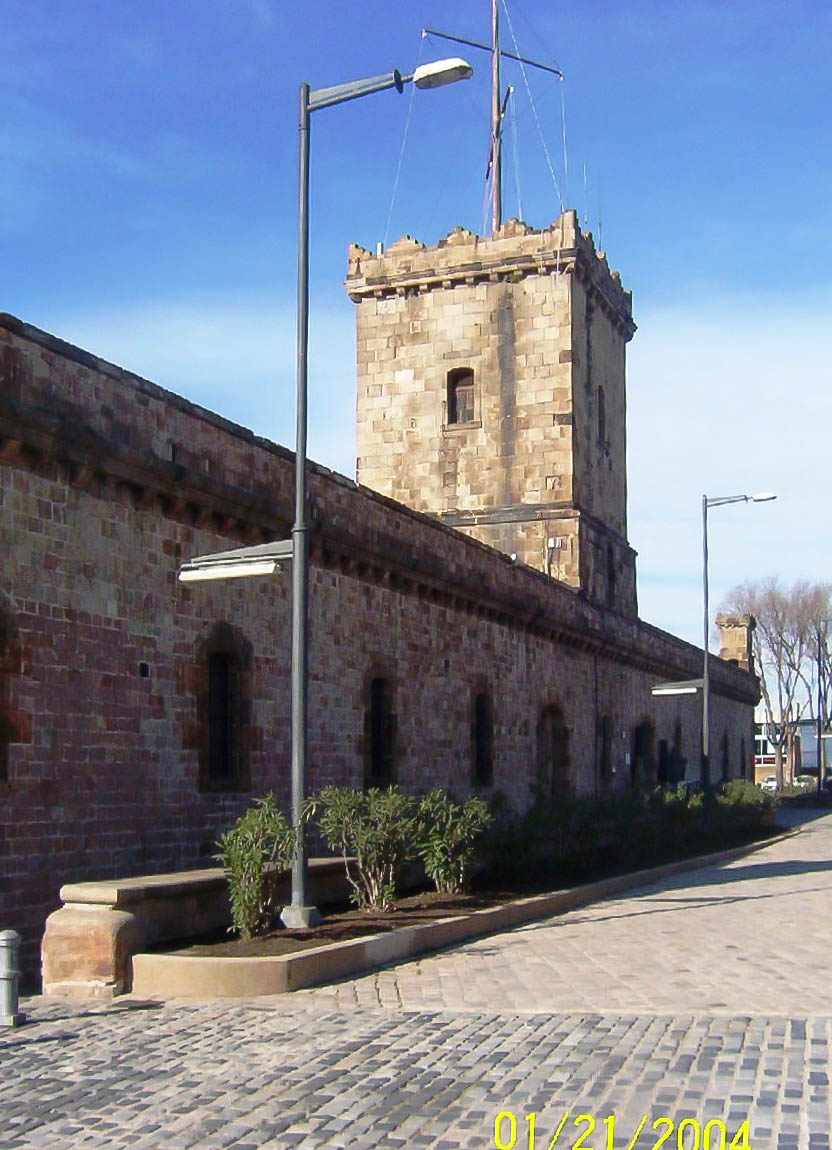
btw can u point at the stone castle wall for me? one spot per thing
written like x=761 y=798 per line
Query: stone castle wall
x=107 y=483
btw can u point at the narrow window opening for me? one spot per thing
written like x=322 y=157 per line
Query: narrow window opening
x=8 y=733
x=610 y=575
x=553 y=753
x=664 y=758
x=643 y=764
x=224 y=730
x=605 y=767
x=221 y=715
x=602 y=417
x=380 y=725
x=461 y=395
x=483 y=739
x=676 y=761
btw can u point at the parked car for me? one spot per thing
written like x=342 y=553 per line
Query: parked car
x=804 y=782
x=769 y=783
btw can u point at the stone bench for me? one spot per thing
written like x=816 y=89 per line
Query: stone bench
x=89 y=942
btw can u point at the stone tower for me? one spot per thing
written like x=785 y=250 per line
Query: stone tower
x=491 y=394
x=736 y=640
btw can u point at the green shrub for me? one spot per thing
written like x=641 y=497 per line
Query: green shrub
x=744 y=804
x=377 y=828
x=562 y=837
x=506 y=850
x=447 y=837
x=254 y=852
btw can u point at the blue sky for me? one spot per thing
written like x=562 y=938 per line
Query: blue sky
x=148 y=213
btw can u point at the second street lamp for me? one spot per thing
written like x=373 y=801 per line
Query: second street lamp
x=707 y=502
x=821 y=636
x=433 y=75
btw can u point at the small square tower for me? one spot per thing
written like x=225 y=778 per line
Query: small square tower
x=491 y=394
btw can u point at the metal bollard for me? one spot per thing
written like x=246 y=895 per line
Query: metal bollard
x=10 y=942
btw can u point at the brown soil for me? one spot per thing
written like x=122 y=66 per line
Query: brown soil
x=342 y=925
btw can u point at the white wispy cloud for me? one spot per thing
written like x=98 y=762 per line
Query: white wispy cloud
x=728 y=396
x=237 y=359
x=724 y=397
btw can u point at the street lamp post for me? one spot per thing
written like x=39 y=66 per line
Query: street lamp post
x=433 y=75
x=821 y=641
x=714 y=501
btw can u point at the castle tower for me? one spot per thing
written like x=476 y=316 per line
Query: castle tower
x=491 y=394
x=736 y=640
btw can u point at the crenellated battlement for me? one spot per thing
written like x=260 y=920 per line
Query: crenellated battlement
x=515 y=252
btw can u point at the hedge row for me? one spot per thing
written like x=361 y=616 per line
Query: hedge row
x=377 y=832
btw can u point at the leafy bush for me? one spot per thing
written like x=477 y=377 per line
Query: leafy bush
x=506 y=851
x=377 y=828
x=742 y=792
x=743 y=803
x=254 y=852
x=563 y=837
x=447 y=836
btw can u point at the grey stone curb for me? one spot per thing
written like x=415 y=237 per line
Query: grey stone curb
x=184 y=976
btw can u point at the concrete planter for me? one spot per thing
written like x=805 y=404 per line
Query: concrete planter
x=204 y=977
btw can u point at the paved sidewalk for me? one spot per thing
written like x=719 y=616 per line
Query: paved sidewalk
x=754 y=935
x=702 y=998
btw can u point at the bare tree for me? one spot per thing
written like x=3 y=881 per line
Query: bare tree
x=784 y=641
x=817 y=675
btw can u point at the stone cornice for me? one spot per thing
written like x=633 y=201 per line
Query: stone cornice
x=47 y=443
x=482 y=583
x=529 y=512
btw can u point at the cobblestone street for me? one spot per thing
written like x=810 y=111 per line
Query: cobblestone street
x=701 y=998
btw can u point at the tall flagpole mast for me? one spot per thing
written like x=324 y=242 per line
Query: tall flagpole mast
x=494 y=170
x=497 y=164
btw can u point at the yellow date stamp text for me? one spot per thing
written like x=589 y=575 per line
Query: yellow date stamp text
x=586 y=1132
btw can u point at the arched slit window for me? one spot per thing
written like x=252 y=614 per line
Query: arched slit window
x=663 y=768
x=552 y=753
x=482 y=733
x=223 y=695
x=602 y=417
x=9 y=664
x=676 y=761
x=461 y=395
x=223 y=710
x=380 y=734
x=643 y=768
x=725 y=757
x=610 y=575
x=605 y=765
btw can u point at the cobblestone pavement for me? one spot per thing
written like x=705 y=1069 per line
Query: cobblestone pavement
x=702 y=999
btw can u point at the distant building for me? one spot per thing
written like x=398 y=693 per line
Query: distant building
x=800 y=757
x=807 y=736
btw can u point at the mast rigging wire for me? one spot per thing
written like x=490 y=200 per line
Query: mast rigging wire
x=516 y=151
x=534 y=111
x=563 y=130
x=402 y=148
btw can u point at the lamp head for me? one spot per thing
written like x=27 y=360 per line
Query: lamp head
x=442 y=72
x=762 y=497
